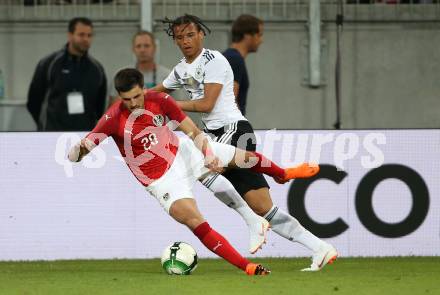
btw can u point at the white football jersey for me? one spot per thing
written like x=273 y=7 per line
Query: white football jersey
x=209 y=67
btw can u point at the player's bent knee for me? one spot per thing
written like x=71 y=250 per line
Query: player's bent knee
x=259 y=201
x=185 y=212
x=260 y=210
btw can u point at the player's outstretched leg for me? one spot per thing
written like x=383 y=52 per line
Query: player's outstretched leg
x=220 y=246
x=289 y=227
x=226 y=193
x=185 y=211
x=260 y=164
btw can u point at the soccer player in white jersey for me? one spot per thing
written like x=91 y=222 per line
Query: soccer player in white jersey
x=208 y=78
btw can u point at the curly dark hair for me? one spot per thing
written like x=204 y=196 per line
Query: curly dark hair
x=182 y=20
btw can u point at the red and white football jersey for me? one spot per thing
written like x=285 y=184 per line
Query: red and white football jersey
x=144 y=138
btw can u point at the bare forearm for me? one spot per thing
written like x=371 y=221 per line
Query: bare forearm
x=203 y=104
x=202 y=143
x=198 y=105
x=200 y=139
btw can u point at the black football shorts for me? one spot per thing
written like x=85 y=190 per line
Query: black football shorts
x=240 y=134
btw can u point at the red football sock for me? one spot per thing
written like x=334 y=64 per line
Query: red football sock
x=266 y=166
x=219 y=245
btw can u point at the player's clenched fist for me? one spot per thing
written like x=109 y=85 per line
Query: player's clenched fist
x=80 y=149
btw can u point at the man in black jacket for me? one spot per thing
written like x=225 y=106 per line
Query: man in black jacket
x=68 y=89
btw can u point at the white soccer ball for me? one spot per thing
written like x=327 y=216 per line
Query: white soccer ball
x=179 y=258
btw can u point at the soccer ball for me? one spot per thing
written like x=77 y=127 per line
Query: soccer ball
x=179 y=259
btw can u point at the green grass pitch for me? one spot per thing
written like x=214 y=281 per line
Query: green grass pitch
x=403 y=275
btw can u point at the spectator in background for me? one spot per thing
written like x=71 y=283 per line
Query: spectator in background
x=247 y=36
x=144 y=48
x=61 y=96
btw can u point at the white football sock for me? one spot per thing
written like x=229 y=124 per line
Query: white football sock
x=225 y=192
x=289 y=227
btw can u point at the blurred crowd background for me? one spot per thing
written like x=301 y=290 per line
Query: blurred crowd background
x=389 y=55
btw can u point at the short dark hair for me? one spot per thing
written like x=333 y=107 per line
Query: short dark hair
x=127 y=79
x=185 y=19
x=245 y=24
x=143 y=33
x=74 y=21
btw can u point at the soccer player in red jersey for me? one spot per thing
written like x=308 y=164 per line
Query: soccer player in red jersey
x=166 y=165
